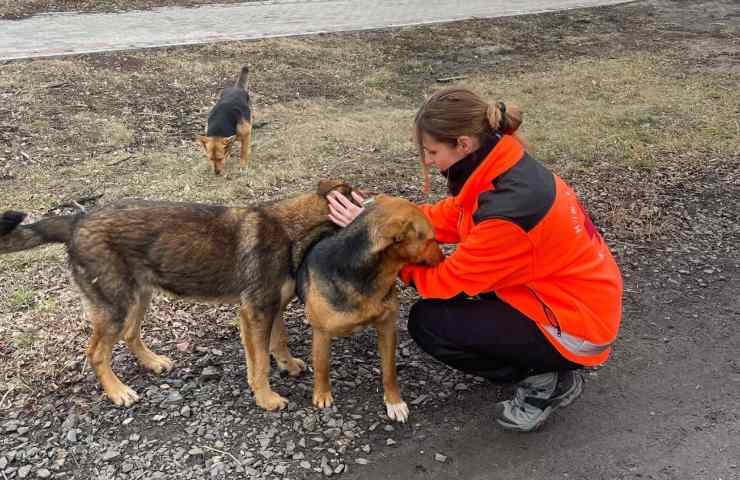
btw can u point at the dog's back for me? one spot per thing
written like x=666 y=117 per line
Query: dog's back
x=198 y=251
x=231 y=109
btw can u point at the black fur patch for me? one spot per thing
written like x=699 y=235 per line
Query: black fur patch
x=342 y=262
x=10 y=220
x=231 y=108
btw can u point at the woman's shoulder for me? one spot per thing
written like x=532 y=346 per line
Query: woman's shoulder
x=523 y=194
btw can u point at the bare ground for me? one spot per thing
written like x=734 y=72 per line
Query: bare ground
x=636 y=105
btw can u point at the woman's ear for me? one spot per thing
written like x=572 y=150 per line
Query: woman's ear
x=466 y=144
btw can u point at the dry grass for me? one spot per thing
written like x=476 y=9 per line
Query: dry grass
x=335 y=106
x=627 y=111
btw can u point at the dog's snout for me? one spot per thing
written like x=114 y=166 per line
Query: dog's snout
x=433 y=254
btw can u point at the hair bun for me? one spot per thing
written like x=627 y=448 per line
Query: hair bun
x=504 y=119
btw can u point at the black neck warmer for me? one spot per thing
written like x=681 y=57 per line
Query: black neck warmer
x=459 y=172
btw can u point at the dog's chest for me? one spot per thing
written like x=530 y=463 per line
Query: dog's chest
x=366 y=315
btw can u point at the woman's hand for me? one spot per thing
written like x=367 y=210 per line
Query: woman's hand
x=341 y=209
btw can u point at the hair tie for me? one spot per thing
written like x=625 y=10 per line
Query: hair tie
x=502 y=123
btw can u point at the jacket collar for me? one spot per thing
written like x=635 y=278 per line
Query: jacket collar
x=459 y=172
x=507 y=152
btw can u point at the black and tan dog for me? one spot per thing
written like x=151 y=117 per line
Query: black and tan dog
x=348 y=282
x=229 y=119
x=120 y=254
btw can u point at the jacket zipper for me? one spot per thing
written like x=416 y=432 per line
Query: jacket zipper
x=551 y=317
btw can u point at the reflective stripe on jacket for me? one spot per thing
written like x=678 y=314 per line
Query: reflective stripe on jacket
x=523 y=234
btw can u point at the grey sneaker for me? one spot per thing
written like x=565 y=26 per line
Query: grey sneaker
x=536 y=398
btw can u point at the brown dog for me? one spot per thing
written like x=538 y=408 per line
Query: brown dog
x=348 y=282
x=229 y=119
x=121 y=253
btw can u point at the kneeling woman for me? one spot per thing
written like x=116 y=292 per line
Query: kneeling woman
x=532 y=293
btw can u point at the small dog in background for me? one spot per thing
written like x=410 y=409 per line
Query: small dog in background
x=229 y=119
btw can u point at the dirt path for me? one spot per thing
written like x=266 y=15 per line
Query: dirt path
x=53 y=35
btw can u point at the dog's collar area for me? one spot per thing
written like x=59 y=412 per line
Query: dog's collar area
x=368 y=201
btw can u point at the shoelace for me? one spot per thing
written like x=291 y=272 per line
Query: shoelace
x=520 y=396
x=519 y=401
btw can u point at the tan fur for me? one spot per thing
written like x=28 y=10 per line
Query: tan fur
x=218 y=149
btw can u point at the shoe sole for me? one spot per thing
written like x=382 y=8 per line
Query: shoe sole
x=527 y=428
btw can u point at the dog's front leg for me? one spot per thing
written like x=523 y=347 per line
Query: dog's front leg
x=396 y=407
x=255 y=334
x=322 y=397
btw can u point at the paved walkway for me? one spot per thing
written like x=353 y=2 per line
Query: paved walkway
x=70 y=33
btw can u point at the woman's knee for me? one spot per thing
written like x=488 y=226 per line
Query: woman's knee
x=421 y=322
x=413 y=323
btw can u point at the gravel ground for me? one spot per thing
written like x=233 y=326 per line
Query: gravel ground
x=664 y=407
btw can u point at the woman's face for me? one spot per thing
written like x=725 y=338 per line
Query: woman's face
x=443 y=155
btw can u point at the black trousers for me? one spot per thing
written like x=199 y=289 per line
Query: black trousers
x=485 y=337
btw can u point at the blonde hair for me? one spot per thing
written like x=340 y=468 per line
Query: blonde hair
x=454 y=112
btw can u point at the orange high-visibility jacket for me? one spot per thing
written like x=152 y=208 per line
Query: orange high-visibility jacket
x=523 y=234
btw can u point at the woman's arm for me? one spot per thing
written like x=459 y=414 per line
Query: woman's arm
x=495 y=254
x=444 y=216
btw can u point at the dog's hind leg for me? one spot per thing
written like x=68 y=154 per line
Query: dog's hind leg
x=245 y=141
x=106 y=332
x=256 y=326
x=132 y=335
x=386 y=329
x=280 y=352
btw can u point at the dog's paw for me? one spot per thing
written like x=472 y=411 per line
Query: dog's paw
x=271 y=401
x=160 y=364
x=294 y=366
x=323 y=399
x=122 y=395
x=398 y=411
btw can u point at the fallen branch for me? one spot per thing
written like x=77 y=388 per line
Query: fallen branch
x=120 y=161
x=5 y=396
x=77 y=204
x=451 y=79
x=227 y=453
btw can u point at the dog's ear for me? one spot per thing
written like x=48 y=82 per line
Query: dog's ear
x=392 y=232
x=228 y=140
x=326 y=186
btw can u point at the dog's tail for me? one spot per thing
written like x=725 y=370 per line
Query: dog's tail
x=15 y=237
x=243 y=81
